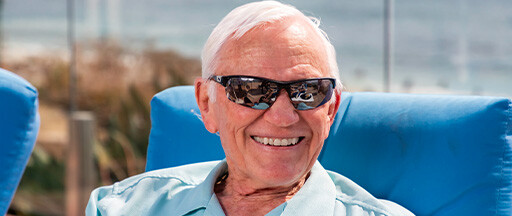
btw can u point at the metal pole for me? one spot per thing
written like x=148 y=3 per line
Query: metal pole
x=1 y=31
x=80 y=173
x=72 y=54
x=388 y=43
x=80 y=170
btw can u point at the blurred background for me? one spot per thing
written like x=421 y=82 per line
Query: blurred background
x=125 y=51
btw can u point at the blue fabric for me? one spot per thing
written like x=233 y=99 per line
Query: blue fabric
x=435 y=155
x=188 y=190
x=178 y=132
x=19 y=124
x=450 y=152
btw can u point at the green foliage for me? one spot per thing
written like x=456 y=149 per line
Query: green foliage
x=43 y=173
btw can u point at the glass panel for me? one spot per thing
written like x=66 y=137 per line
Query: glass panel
x=454 y=47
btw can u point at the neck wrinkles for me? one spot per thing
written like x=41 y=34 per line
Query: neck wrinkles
x=238 y=189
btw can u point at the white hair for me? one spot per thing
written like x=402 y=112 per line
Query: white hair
x=246 y=17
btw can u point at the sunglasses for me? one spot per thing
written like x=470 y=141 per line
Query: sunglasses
x=260 y=93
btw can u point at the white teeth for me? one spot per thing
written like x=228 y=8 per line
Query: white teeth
x=284 y=142
x=277 y=142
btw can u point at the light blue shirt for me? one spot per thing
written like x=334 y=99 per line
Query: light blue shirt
x=188 y=190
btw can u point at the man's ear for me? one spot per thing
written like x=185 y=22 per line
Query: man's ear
x=333 y=107
x=204 y=102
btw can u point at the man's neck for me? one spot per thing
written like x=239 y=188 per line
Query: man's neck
x=237 y=198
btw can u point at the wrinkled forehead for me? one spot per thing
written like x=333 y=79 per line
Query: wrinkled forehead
x=288 y=47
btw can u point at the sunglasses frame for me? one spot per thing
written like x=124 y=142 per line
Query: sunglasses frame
x=223 y=80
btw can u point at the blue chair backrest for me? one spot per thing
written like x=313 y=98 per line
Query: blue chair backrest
x=435 y=155
x=19 y=124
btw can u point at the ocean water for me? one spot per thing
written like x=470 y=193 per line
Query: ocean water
x=455 y=47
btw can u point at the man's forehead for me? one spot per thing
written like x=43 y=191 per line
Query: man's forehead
x=290 y=44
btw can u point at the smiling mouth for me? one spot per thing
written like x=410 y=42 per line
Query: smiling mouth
x=277 y=142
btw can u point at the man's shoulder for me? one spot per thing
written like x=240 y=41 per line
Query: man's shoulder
x=190 y=174
x=132 y=194
x=350 y=193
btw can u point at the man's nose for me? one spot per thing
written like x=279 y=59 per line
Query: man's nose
x=282 y=113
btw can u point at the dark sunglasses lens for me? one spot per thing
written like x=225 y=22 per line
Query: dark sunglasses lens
x=261 y=94
x=250 y=92
x=310 y=94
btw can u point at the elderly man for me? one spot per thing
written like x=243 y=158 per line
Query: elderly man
x=271 y=89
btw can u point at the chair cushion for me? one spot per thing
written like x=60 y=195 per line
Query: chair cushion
x=178 y=135
x=19 y=124
x=435 y=155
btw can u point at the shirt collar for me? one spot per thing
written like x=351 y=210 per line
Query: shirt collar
x=316 y=197
x=201 y=195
